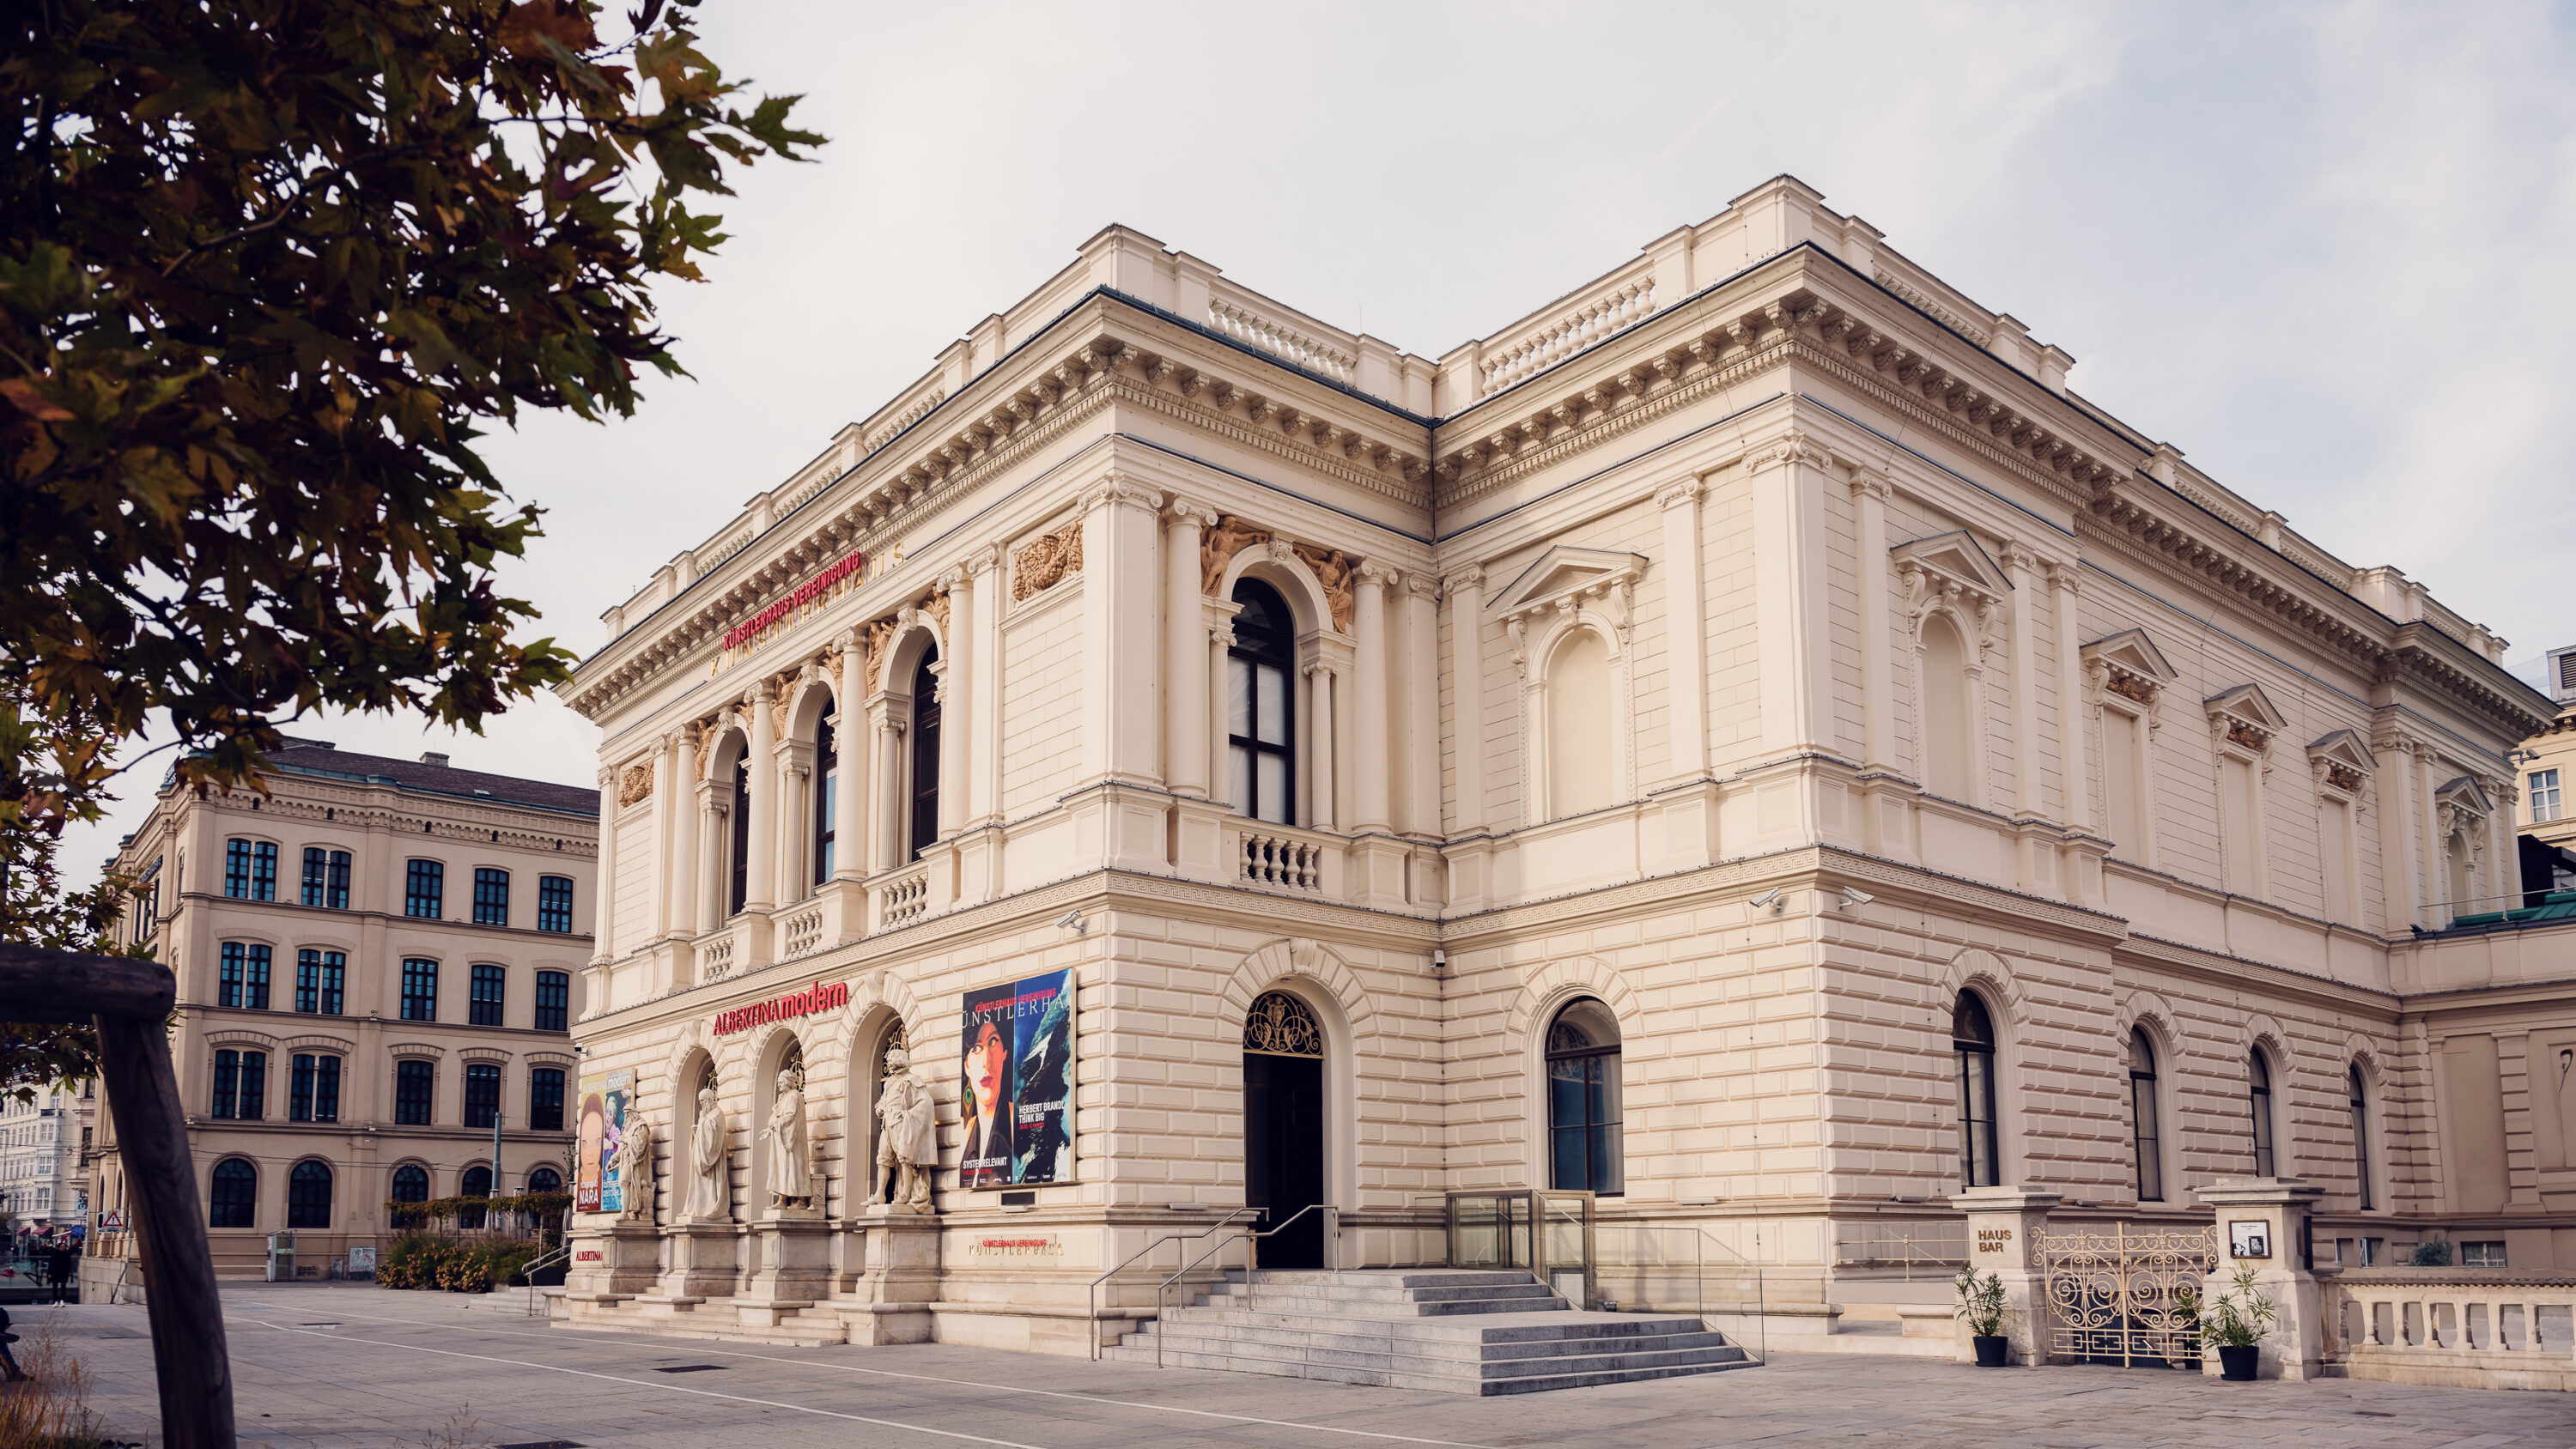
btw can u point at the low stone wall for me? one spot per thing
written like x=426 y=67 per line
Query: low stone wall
x=2491 y=1328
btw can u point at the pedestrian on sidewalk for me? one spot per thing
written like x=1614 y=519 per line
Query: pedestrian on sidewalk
x=58 y=1270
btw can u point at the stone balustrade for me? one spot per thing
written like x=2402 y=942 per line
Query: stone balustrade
x=2453 y=1327
x=1281 y=860
x=902 y=898
x=1608 y=307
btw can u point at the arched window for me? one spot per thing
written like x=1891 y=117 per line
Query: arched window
x=739 y=854
x=410 y=1184
x=1949 y=761
x=1584 y=1150
x=308 y=1195
x=1579 y=754
x=2259 y=1099
x=234 y=1194
x=1261 y=704
x=545 y=1179
x=477 y=1182
x=2360 y=1135
x=1972 y=1043
x=827 y=766
x=925 y=754
x=2142 y=1116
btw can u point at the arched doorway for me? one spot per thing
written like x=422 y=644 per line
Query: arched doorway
x=1283 y=1126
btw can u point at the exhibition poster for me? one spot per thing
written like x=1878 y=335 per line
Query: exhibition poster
x=1018 y=1083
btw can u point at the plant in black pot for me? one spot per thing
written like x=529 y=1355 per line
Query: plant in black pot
x=2236 y=1322
x=1981 y=1302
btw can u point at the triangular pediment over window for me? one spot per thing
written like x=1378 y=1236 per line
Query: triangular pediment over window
x=2247 y=704
x=1567 y=573
x=2342 y=761
x=1957 y=558
x=2131 y=652
x=2465 y=795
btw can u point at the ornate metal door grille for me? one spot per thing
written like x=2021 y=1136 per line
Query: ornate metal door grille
x=2126 y=1296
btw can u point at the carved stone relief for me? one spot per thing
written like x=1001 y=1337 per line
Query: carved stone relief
x=1219 y=545
x=1335 y=570
x=635 y=784
x=1046 y=561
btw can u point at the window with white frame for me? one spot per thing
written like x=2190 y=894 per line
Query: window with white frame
x=2546 y=804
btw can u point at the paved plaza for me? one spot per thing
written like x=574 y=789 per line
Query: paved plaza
x=350 y=1365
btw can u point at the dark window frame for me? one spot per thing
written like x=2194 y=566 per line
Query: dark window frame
x=419 y=989
x=554 y=903
x=2145 y=1120
x=2360 y=1103
x=308 y=1195
x=2258 y=1101
x=487 y=993
x=415 y=1092
x=827 y=770
x=554 y=1001
x=425 y=889
x=326 y=878
x=1264 y=638
x=1589 y=1069
x=545 y=1099
x=232 y=1194
x=482 y=1100
x=923 y=817
x=1972 y=1048
x=491 y=896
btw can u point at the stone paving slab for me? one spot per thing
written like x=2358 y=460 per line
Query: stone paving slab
x=339 y=1366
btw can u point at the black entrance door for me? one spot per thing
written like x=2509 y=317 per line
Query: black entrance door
x=1283 y=1151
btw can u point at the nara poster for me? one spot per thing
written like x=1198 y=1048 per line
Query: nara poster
x=1017 y=1088
x=603 y=1130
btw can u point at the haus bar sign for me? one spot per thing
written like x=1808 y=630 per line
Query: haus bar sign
x=819 y=997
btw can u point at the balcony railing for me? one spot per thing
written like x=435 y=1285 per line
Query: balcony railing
x=800 y=930
x=904 y=898
x=2469 y=1327
x=1280 y=861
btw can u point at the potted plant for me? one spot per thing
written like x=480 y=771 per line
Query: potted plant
x=1981 y=1302
x=2236 y=1323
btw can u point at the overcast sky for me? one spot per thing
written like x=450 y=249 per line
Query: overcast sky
x=2321 y=249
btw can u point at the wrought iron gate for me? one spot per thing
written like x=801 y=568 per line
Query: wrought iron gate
x=2127 y=1296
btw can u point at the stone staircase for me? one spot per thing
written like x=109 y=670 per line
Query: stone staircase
x=1447 y=1330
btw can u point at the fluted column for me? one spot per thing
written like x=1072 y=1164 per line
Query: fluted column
x=850 y=739
x=603 y=946
x=1122 y=692
x=1368 y=699
x=1185 y=694
x=1421 y=704
x=956 y=700
x=680 y=807
x=2074 y=740
x=760 y=888
x=1319 y=710
x=2022 y=567
x=1789 y=593
x=984 y=692
x=892 y=807
x=1869 y=572
x=1466 y=590
x=1220 y=775
x=666 y=822
x=1685 y=630
x=711 y=818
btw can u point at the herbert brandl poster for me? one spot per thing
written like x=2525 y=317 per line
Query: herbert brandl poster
x=603 y=1128
x=1018 y=1083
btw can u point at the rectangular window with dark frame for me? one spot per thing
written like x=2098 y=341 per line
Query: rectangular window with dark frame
x=326 y=878
x=314 y=1095
x=254 y=1086
x=424 y=889
x=554 y=903
x=415 y=1088
x=227 y=1084
x=250 y=870
x=491 y=896
x=545 y=1099
x=241 y=980
x=419 y=990
x=484 y=995
x=482 y=1093
x=554 y=1001
x=321 y=979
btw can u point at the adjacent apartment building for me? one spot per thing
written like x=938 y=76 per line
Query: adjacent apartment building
x=43 y=1147
x=1747 y=741
x=378 y=960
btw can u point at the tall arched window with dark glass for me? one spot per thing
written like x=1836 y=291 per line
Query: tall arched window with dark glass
x=2258 y=1083
x=1972 y=1047
x=2360 y=1135
x=411 y=1184
x=1261 y=704
x=925 y=754
x=235 y=1190
x=2142 y=1116
x=308 y=1195
x=739 y=847
x=827 y=765
x=1583 y=1117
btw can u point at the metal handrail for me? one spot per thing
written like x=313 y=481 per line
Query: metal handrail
x=1141 y=1252
x=1251 y=1236
x=528 y=1270
x=1700 y=1240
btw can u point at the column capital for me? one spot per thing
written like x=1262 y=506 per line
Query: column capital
x=1790 y=447
x=1420 y=585
x=1680 y=493
x=1189 y=512
x=2066 y=576
x=981 y=561
x=1118 y=488
x=1871 y=481
x=1469 y=576
x=1370 y=571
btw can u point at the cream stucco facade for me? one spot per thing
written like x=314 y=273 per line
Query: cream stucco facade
x=1761 y=643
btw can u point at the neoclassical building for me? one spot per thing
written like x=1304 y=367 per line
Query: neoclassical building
x=1746 y=740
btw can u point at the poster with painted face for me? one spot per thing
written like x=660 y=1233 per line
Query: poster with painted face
x=602 y=1129
x=1017 y=1083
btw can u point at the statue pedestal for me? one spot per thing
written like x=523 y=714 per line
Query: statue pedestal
x=701 y=1264
x=794 y=1270
x=2295 y=1349
x=898 y=1280
x=613 y=1262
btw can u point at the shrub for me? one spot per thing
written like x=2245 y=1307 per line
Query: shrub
x=2432 y=1253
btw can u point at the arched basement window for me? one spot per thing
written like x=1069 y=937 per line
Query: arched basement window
x=2259 y=1100
x=1261 y=704
x=1972 y=1044
x=230 y=1202
x=308 y=1195
x=925 y=755
x=2142 y=1115
x=1584 y=1150
x=545 y=1179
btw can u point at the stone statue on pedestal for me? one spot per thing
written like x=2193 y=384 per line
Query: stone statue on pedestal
x=907 y=1142
x=635 y=1169
x=791 y=1171
x=707 y=1194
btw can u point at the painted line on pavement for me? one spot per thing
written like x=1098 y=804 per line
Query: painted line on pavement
x=643 y=1384
x=481 y=1331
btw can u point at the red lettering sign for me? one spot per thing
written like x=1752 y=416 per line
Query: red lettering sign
x=586 y=1255
x=820 y=997
x=814 y=588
